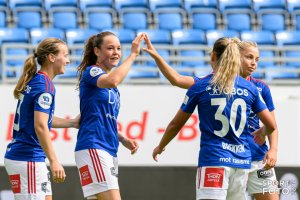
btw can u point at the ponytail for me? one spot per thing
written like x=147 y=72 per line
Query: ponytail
x=30 y=69
x=228 y=63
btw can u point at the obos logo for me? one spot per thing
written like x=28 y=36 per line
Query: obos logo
x=95 y=71
x=45 y=100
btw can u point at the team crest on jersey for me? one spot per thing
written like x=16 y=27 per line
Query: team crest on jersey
x=45 y=100
x=94 y=71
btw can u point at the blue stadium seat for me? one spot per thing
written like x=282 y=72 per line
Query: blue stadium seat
x=190 y=5
x=50 y=4
x=163 y=21
x=157 y=36
x=260 y=37
x=238 y=21
x=190 y=36
x=79 y=36
x=121 y=4
x=14 y=35
x=126 y=36
x=3 y=22
x=287 y=38
x=16 y=52
x=193 y=56
x=134 y=20
x=142 y=71
x=281 y=72
x=28 y=19
x=272 y=21
x=203 y=21
x=87 y=4
x=38 y=34
x=266 y=58
x=156 y=4
x=292 y=58
x=17 y=4
x=225 y=5
x=64 y=20
x=259 y=5
x=213 y=35
x=293 y=5
x=163 y=52
x=99 y=20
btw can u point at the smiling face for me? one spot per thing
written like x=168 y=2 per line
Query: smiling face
x=61 y=59
x=109 y=53
x=249 y=59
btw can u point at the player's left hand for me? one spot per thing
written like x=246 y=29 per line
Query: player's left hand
x=259 y=138
x=270 y=159
x=132 y=145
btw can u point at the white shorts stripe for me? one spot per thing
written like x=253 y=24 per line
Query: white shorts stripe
x=100 y=165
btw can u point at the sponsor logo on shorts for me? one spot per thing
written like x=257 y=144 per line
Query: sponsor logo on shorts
x=85 y=175
x=114 y=172
x=15 y=182
x=262 y=173
x=214 y=177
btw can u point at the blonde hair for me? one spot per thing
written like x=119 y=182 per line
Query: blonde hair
x=228 y=64
x=45 y=47
x=245 y=44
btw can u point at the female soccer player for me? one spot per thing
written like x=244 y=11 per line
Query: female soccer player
x=262 y=179
x=224 y=102
x=31 y=143
x=98 y=137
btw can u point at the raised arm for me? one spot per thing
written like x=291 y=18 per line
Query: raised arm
x=43 y=135
x=172 y=130
x=115 y=77
x=172 y=75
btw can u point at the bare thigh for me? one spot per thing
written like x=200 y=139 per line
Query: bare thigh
x=266 y=196
x=109 y=195
x=48 y=197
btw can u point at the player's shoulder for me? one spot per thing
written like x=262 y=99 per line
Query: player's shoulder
x=41 y=83
x=258 y=82
x=93 y=71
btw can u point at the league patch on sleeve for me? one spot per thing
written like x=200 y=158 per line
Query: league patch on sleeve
x=95 y=71
x=186 y=99
x=45 y=100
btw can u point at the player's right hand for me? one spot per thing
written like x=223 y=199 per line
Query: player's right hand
x=58 y=172
x=157 y=151
x=150 y=49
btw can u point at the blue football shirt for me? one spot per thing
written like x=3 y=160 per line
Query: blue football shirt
x=258 y=152
x=99 y=108
x=223 y=121
x=38 y=96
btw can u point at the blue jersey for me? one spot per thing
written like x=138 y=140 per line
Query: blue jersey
x=99 y=109
x=223 y=121
x=38 y=96
x=258 y=152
